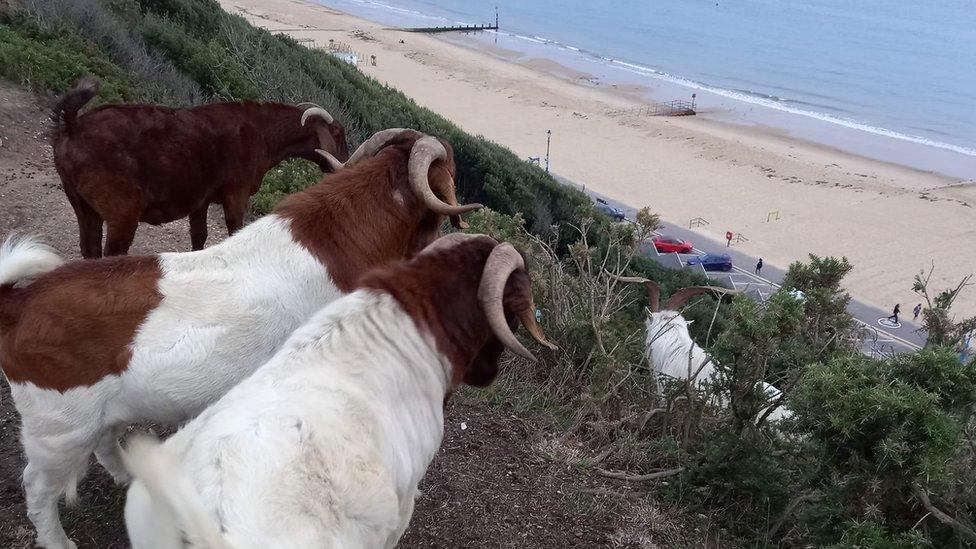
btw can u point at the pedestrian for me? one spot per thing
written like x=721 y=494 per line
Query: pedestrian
x=894 y=314
x=728 y=238
x=917 y=310
x=759 y=266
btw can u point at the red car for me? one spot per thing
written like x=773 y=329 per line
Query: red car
x=668 y=244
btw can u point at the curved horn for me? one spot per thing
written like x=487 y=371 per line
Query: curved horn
x=503 y=261
x=333 y=161
x=373 y=144
x=316 y=111
x=678 y=299
x=451 y=239
x=308 y=103
x=653 y=289
x=424 y=152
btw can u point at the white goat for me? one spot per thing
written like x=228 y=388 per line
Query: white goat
x=325 y=444
x=671 y=351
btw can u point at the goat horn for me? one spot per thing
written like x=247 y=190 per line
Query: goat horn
x=373 y=144
x=333 y=161
x=422 y=155
x=678 y=299
x=503 y=261
x=451 y=239
x=653 y=289
x=317 y=111
x=309 y=103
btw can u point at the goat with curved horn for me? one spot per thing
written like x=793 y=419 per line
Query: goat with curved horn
x=503 y=261
x=424 y=152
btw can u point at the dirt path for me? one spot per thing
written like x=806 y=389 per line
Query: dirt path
x=490 y=486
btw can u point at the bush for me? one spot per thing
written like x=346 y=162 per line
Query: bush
x=887 y=433
x=52 y=60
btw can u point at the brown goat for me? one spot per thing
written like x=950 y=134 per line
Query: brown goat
x=122 y=164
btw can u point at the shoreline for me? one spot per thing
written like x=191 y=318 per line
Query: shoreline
x=829 y=202
x=739 y=107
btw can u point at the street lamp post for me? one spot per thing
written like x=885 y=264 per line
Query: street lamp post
x=548 y=139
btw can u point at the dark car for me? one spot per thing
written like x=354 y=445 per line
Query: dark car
x=667 y=244
x=606 y=209
x=712 y=262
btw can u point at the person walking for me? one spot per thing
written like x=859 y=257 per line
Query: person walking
x=917 y=310
x=894 y=314
x=759 y=266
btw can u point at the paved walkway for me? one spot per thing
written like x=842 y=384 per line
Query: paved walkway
x=879 y=340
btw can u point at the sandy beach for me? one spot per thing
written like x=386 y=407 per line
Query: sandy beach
x=890 y=221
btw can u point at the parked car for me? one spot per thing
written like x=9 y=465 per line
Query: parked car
x=614 y=213
x=667 y=244
x=712 y=262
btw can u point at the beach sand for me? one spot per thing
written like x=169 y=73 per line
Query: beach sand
x=890 y=221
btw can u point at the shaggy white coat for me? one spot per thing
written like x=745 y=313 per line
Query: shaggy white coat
x=672 y=353
x=322 y=447
x=225 y=311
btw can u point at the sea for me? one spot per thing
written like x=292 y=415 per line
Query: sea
x=893 y=80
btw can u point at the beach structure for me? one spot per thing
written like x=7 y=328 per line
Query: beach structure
x=676 y=107
x=348 y=57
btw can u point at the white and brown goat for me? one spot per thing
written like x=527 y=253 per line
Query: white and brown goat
x=325 y=444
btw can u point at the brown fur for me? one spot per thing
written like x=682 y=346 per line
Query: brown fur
x=73 y=326
x=439 y=290
x=122 y=164
x=354 y=221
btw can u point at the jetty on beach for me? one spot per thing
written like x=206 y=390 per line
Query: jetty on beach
x=456 y=28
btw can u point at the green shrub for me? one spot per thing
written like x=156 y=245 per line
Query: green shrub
x=52 y=60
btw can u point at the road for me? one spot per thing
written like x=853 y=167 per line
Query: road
x=879 y=340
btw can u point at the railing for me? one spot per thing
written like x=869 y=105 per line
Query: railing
x=670 y=108
x=697 y=222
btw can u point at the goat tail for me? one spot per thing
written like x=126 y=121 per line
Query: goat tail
x=23 y=257
x=66 y=111
x=157 y=470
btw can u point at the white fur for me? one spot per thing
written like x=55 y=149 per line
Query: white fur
x=23 y=257
x=225 y=311
x=672 y=353
x=322 y=447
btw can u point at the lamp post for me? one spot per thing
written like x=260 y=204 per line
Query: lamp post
x=548 y=139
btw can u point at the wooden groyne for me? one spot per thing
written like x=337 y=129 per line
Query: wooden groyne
x=457 y=28
x=453 y=28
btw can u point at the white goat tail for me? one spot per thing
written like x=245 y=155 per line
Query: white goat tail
x=24 y=257
x=158 y=471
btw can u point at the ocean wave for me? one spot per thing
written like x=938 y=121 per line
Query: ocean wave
x=755 y=98
x=770 y=101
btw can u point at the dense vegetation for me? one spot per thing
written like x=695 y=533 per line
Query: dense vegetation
x=879 y=453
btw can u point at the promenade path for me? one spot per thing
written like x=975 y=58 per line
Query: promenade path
x=878 y=340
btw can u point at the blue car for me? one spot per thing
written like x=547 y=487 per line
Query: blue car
x=712 y=262
x=606 y=209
